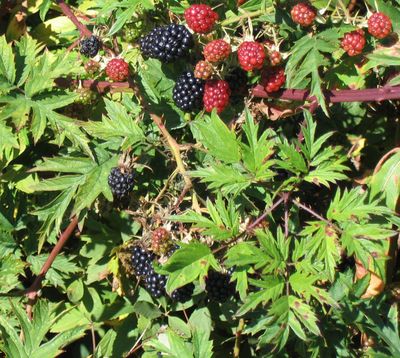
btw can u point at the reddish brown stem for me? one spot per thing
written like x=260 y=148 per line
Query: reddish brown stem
x=94 y=85
x=251 y=227
x=32 y=291
x=316 y=215
x=68 y=12
x=384 y=158
x=334 y=96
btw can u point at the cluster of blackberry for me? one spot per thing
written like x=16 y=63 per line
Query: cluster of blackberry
x=120 y=182
x=183 y=294
x=188 y=91
x=167 y=43
x=142 y=261
x=117 y=69
x=218 y=286
x=90 y=46
x=142 y=264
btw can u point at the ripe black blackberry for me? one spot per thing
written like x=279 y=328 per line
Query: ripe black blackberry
x=167 y=43
x=218 y=286
x=188 y=91
x=121 y=183
x=155 y=284
x=90 y=46
x=141 y=261
x=183 y=294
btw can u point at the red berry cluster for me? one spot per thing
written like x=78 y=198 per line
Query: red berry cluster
x=353 y=42
x=200 y=18
x=274 y=79
x=216 y=95
x=275 y=58
x=379 y=25
x=251 y=55
x=117 y=70
x=303 y=14
x=217 y=50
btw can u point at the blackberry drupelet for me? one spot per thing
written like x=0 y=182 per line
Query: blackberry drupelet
x=155 y=284
x=90 y=46
x=141 y=261
x=188 y=91
x=121 y=184
x=167 y=43
x=218 y=287
x=183 y=294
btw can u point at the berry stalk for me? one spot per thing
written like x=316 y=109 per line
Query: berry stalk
x=32 y=292
x=334 y=96
x=68 y=12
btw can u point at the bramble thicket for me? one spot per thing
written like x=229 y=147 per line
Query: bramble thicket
x=199 y=178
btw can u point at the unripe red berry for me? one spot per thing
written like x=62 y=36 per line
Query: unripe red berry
x=274 y=79
x=217 y=50
x=117 y=69
x=91 y=67
x=275 y=58
x=160 y=240
x=216 y=95
x=379 y=25
x=200 y=18
x=251 y=55
x=353 y=42
x=303 y=14
x=203 y=70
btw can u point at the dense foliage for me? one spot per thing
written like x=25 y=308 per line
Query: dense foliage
x=152 y=204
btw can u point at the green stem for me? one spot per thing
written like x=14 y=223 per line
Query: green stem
x=236 y=348
x=238 y=18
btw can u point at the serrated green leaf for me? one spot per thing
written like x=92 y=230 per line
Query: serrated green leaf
x=217 y=138
x=187 y=264
x=7 y=66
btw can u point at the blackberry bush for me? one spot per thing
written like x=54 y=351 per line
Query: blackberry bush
x=260 y=216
